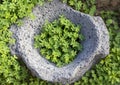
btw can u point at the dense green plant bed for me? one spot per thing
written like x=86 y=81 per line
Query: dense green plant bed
x=59 y=41
x=14 y=72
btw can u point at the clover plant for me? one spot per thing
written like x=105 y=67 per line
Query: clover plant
x=59 y=41
x=14 y=72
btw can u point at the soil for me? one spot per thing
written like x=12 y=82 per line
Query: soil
x=113 y=5
x=108 y=5
x=1 y=1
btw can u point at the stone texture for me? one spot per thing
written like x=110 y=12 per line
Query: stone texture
x=95 y=45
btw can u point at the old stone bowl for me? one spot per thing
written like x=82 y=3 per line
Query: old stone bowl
x=95 y=45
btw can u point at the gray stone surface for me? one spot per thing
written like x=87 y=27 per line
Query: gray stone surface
x=95 y=45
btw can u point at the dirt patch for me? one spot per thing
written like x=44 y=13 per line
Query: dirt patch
x=1 y=1
x=108 y=4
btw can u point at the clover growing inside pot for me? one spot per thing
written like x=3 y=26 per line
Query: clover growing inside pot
x=59 y=41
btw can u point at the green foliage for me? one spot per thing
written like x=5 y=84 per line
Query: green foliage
x=59 y=41
x=14 y=72
x=86 y=6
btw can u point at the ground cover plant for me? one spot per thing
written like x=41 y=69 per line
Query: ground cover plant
x=59 y=41
x=86 y=6
x=14 y=72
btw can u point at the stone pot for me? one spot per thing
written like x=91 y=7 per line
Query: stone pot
x=95 y=45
